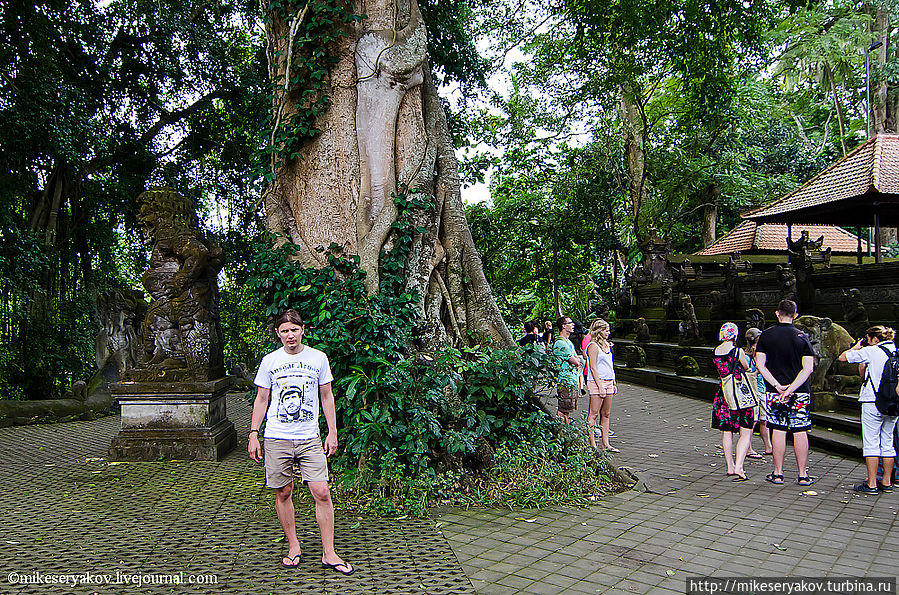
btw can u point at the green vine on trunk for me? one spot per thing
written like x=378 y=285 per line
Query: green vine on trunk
x=300 y=88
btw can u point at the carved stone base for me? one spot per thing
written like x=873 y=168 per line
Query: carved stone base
x=173 y=420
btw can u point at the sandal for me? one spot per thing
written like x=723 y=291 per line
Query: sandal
x=755 y=455
x=337 y=568
x=294 y=561
x=805 y=480
x=740 y=478
x=775 y=479
x=768 y=454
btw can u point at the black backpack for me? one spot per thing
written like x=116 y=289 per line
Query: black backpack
x=886 y=396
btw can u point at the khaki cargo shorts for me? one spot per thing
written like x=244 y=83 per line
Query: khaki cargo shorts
x=280 y=455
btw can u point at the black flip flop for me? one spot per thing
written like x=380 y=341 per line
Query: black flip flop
x=740 y=478
x=298 y=558
x=335 y=568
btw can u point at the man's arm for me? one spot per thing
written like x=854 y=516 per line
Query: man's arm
x=260 y=405
x=766 y=374
x=327 y=398
x=808 y=366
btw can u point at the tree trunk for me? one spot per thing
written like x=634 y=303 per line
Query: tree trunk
x=884 y=116
x=709 y=224
x=837 y=105
x=385 y=127
x=710 y=196
x=633 y=129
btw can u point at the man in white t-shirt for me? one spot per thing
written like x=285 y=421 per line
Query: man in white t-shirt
x=290 y=383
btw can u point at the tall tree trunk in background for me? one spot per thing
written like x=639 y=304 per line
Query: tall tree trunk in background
x=884 y=114
x=710 y=214
x=633 y=129
x=709 y=224
x=828 y=73
x=385 y=126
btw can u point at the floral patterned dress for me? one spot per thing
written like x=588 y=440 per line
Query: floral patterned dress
x=722 y=417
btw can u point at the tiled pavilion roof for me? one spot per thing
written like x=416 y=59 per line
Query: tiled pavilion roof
x=750 y=237
x=847 y=192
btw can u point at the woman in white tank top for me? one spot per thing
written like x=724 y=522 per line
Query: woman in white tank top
x=600 y=382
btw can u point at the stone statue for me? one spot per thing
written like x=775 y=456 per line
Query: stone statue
x=597 y=306
x=755 y=318
x=182 y=337
x=689 y=325
x=622 y=302
x=668 y=302
x=802 y=255
x=829 y=340
x=733 y=294
x=686 y=366
x=641 y=330
x=787 y=282
x=635 y=356
x=717 y=307
x=854 y=313
x=121 y=313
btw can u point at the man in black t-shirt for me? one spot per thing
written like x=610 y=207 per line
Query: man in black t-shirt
x=530 y=334
x=786 y=360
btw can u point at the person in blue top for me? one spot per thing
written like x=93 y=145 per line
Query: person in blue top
x=761 y=411
x=568 y=362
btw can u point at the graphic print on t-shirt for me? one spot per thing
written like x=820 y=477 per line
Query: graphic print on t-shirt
x=296 y=387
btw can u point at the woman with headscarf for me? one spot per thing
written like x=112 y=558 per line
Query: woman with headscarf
x=727 y=356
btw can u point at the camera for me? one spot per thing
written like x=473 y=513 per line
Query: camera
x=863 y=342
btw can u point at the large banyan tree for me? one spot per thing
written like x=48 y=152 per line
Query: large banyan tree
x=356 y=121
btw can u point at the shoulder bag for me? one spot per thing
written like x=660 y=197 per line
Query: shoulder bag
x=737 y=393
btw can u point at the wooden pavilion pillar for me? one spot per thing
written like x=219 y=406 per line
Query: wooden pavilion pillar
x=877 y=255
x=858 y=236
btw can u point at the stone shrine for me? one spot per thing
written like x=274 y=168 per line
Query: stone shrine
x=173 y=398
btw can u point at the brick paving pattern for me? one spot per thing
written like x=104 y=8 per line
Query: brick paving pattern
x=66 y=510
x=694 y=522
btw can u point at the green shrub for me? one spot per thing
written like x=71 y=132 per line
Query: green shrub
x=416 y=429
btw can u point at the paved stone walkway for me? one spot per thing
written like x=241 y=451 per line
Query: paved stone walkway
x=695 y=521
x=64 y=510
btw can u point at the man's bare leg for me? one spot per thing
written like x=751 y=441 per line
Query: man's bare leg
x=800 y=448
x=888 y=463
x=779 y=447
x=324 y=515
x=287 y=518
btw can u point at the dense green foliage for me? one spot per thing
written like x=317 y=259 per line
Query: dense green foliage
x=98 y=101
x=413 y=426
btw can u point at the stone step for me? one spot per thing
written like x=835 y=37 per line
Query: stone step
x=843 y=422
x=835 y=441
x=833 y=431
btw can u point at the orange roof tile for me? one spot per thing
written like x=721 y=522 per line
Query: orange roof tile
x=872 y=167
x=750 y=236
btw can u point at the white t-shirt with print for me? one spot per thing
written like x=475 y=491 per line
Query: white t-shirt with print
x=294 y=400
x=874 y=358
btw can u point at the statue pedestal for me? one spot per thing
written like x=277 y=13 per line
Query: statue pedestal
x=173 y=420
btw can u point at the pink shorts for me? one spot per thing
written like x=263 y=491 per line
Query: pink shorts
x=605 y=388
